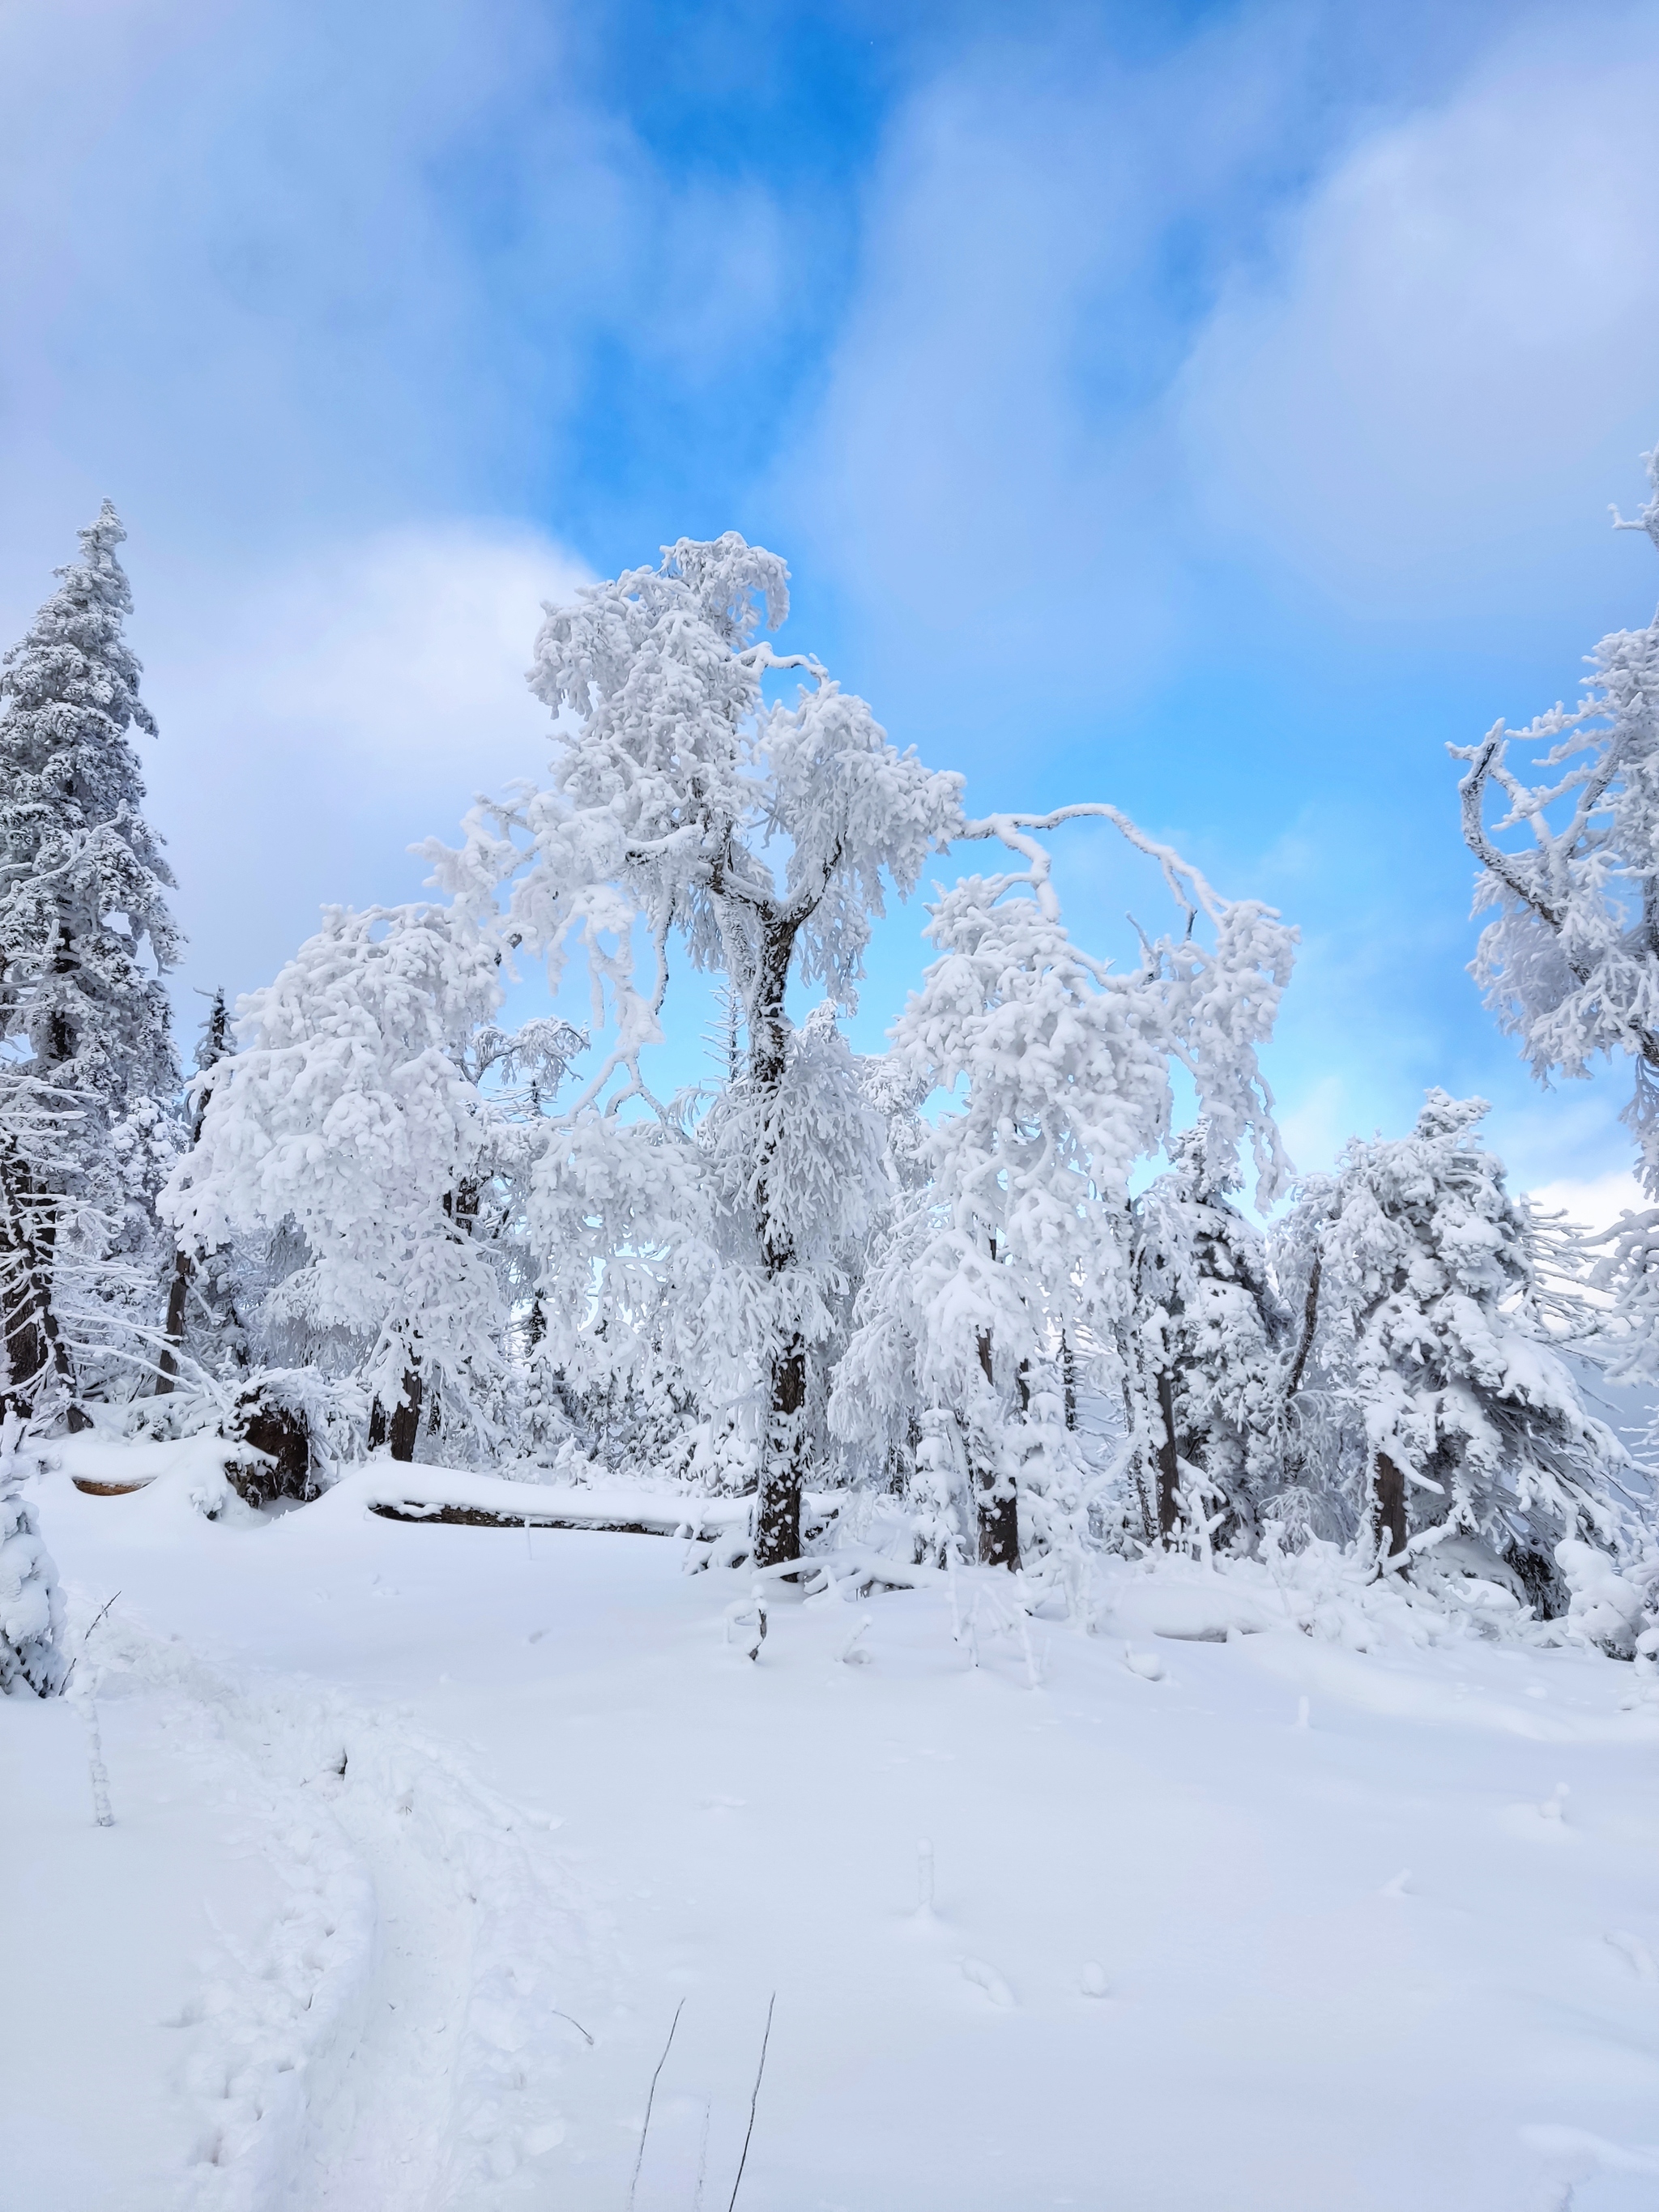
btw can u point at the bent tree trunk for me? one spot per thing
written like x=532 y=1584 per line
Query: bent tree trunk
x=1388 y=1505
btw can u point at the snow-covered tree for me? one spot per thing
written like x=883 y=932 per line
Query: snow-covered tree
x=85 y=934
x=1453 y=1414
x=1570 y=963
x=1021 y=1237
x=353 y=1128
x=213 y=1045
x=1205 y=1347
x=675 y=783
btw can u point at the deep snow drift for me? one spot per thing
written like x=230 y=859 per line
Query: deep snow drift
x=422 y=1834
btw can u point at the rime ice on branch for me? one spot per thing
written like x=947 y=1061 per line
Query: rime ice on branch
x=1570 y=963
x=1020 y=1239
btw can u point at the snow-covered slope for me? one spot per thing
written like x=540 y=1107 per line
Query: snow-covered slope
x=423 y=1833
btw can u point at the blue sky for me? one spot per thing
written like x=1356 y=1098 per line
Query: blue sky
x=1211 y=409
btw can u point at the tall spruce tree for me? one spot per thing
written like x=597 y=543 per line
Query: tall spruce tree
x=85 y=938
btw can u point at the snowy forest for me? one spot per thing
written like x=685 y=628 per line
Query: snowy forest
x=1039 y=1281
x=1029 y=1322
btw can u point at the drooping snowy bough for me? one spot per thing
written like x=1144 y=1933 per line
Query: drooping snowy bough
x=353 y=1131
x=1016 y=1253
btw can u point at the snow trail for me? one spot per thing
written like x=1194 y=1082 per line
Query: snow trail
x=395 y=2038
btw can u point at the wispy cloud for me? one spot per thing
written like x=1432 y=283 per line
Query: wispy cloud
x=1424 y=392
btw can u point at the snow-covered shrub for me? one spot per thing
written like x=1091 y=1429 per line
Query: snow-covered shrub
x=31 y=1606
x=1605 y=1608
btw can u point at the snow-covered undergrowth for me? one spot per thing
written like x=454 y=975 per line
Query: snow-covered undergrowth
x=1178 y=1888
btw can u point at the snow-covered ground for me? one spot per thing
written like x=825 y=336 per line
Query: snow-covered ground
x=423 y=1836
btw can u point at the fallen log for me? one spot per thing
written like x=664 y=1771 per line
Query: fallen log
x=485 y=1516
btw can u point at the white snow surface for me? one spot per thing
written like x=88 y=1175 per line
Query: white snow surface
x=1226 y=1892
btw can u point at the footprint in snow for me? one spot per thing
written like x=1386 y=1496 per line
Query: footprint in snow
x=1094 y=1979
x=988 y=1979
x=1638 y=1953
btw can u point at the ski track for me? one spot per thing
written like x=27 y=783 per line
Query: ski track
x=397 y=2039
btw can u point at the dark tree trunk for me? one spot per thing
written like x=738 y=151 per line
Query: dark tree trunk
x=784 y=1453
x=996 y=1497
x=406 y=1416
x=1169 y=1466
x=777 y=1505
x=282 y=1434
x=1309 y=1324
x=1068 y=1379
x=376 y=1425
x=1388 y=1505
x=34 y=1342
x=177 y=1291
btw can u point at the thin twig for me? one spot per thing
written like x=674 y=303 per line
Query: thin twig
x=575 y=2022
x=753 y=2101
x=98 y=1615
x=650 y=2100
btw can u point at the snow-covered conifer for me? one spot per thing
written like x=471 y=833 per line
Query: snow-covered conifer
x=85 y=934
x=1204 y=1350
x=1453 y=1413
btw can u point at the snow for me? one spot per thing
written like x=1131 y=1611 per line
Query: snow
x=1211 y=1905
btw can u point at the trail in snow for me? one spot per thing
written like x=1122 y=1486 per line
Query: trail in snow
x=397 y=2038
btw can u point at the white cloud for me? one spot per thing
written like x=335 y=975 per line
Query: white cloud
x=319 y=719
x=1451 y=353
x=982 y=473
x=1594 y=1201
